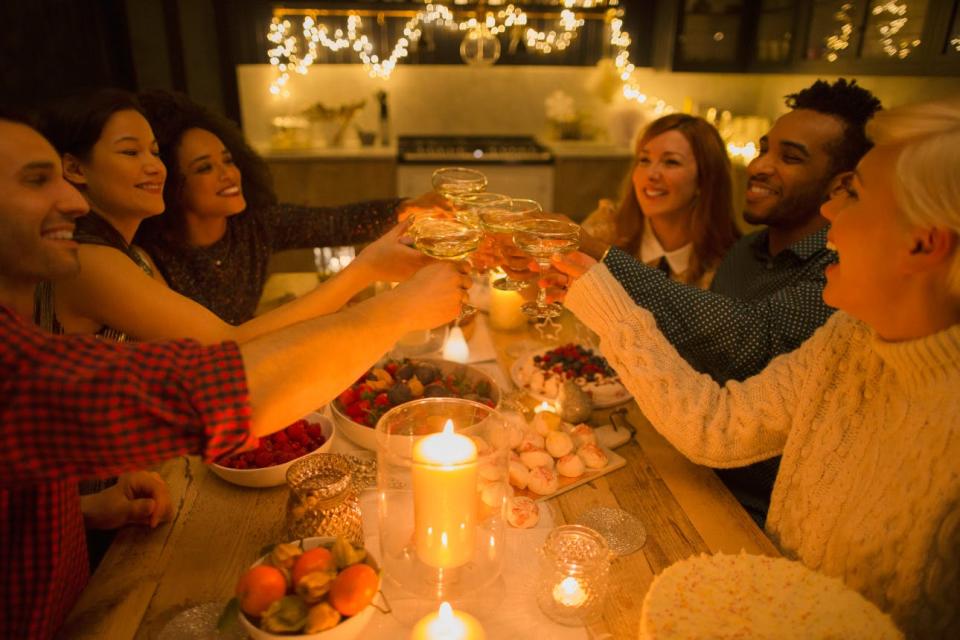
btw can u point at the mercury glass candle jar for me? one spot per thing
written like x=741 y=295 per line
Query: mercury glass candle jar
x=323 y=500
x=574 y=573
x=442 y=486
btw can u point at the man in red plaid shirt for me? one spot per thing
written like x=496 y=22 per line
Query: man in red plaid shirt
x=75 y=407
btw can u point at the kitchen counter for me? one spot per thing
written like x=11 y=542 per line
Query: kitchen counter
x=561 y=149
x=375 y=152
x=568 y=149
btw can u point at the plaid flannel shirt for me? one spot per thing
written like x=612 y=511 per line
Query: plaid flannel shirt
x=75 y=407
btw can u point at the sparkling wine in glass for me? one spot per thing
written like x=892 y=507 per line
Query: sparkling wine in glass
x=453 y=181
x=541 y=238
x=447 y=239
x=500 y=220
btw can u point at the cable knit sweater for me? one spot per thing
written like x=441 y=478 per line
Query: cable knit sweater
x=869 y=484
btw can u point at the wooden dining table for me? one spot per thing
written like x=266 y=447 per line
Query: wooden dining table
x=148 y=577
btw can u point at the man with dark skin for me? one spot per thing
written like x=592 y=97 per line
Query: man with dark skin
x=766 y=296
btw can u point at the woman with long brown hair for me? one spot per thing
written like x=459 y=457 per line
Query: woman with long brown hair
x=677 y=206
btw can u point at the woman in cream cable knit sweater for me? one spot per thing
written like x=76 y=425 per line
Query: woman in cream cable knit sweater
x=866 y=413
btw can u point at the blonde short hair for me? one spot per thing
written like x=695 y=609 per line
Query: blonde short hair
x=926 y=185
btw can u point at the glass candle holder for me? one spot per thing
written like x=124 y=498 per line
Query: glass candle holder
x=323 y=500
x=574 y=573
x=442 y=487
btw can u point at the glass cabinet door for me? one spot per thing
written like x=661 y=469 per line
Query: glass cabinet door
x=709 y=33
x=893 y=29
x=775 y=25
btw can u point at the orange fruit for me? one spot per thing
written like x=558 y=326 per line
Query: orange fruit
x=319 y=559
x=260 y=587
x=353 y=589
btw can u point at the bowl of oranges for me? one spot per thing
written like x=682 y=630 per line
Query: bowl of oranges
x=310 y=589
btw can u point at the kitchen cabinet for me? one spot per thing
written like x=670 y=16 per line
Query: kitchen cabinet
x=328 y=178
x=333 y=180
x=580 y=182
x=834 y=37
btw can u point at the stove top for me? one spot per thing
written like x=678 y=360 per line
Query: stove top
x=473 y=149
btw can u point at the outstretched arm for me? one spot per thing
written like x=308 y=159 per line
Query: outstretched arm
x=719 y=335
x=729 y=426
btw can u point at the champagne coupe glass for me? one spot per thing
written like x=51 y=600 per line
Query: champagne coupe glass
x=453 y=181
x=447 y=239
x=542 y=238
x=500 y=220
x=467 y=205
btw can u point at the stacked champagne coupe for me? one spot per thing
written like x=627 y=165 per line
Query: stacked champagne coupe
x=506 y=222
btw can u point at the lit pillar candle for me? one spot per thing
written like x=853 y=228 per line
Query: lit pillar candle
x=506 y=312
x=445 y=498
x=447 y=624
x=455 y=349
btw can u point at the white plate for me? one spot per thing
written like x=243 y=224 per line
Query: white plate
x=621 y=393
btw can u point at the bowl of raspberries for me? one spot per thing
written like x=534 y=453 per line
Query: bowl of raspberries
x=393 y=382
x=266 y=466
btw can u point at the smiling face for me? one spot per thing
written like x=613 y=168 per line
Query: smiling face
x=665 y=178
x=212 y=181
x=123 y=175
x=37 y=208
x=789 y=180
x=872 y=239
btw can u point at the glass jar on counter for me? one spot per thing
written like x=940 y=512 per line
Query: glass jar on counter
x=323 y=500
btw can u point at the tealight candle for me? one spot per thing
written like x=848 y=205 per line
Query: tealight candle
x=455 y=349
x=445 y=498
x=569 y=593
x=545 y=406
x=574 y=572
x=448 y=624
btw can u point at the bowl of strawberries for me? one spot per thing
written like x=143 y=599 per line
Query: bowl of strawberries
x=394 y=382
x=266 y=466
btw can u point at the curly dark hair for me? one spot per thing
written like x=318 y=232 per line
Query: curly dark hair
x=171 y=115
x=848 y=102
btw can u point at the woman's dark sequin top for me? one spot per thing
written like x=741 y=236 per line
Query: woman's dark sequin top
x=227 y=277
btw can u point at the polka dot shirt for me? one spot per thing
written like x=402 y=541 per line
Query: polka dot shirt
x=758 y=307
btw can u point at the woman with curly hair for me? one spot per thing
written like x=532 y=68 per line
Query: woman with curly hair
x=677 y=206
x=222 y=221
x=111 y=155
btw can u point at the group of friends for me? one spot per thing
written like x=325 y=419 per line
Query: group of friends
x=811 y=362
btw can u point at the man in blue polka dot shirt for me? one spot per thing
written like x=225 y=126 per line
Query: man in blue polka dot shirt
x=766 y=296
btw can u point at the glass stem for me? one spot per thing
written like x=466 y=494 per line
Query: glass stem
x=541 y=290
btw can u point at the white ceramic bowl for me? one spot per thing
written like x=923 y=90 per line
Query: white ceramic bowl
x=366 y=437
x=277 y=474
x=348 y=628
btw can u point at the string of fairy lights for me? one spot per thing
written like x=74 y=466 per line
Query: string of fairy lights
x=895 y=18
x=290 y=52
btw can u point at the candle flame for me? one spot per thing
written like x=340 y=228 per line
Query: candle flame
x=569 y=593
x=544 y=406
x=448 y=426
x=446 y=612
x=456 y=349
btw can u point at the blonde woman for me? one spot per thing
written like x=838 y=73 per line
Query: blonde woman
x=677 y=209
x=865 y=413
